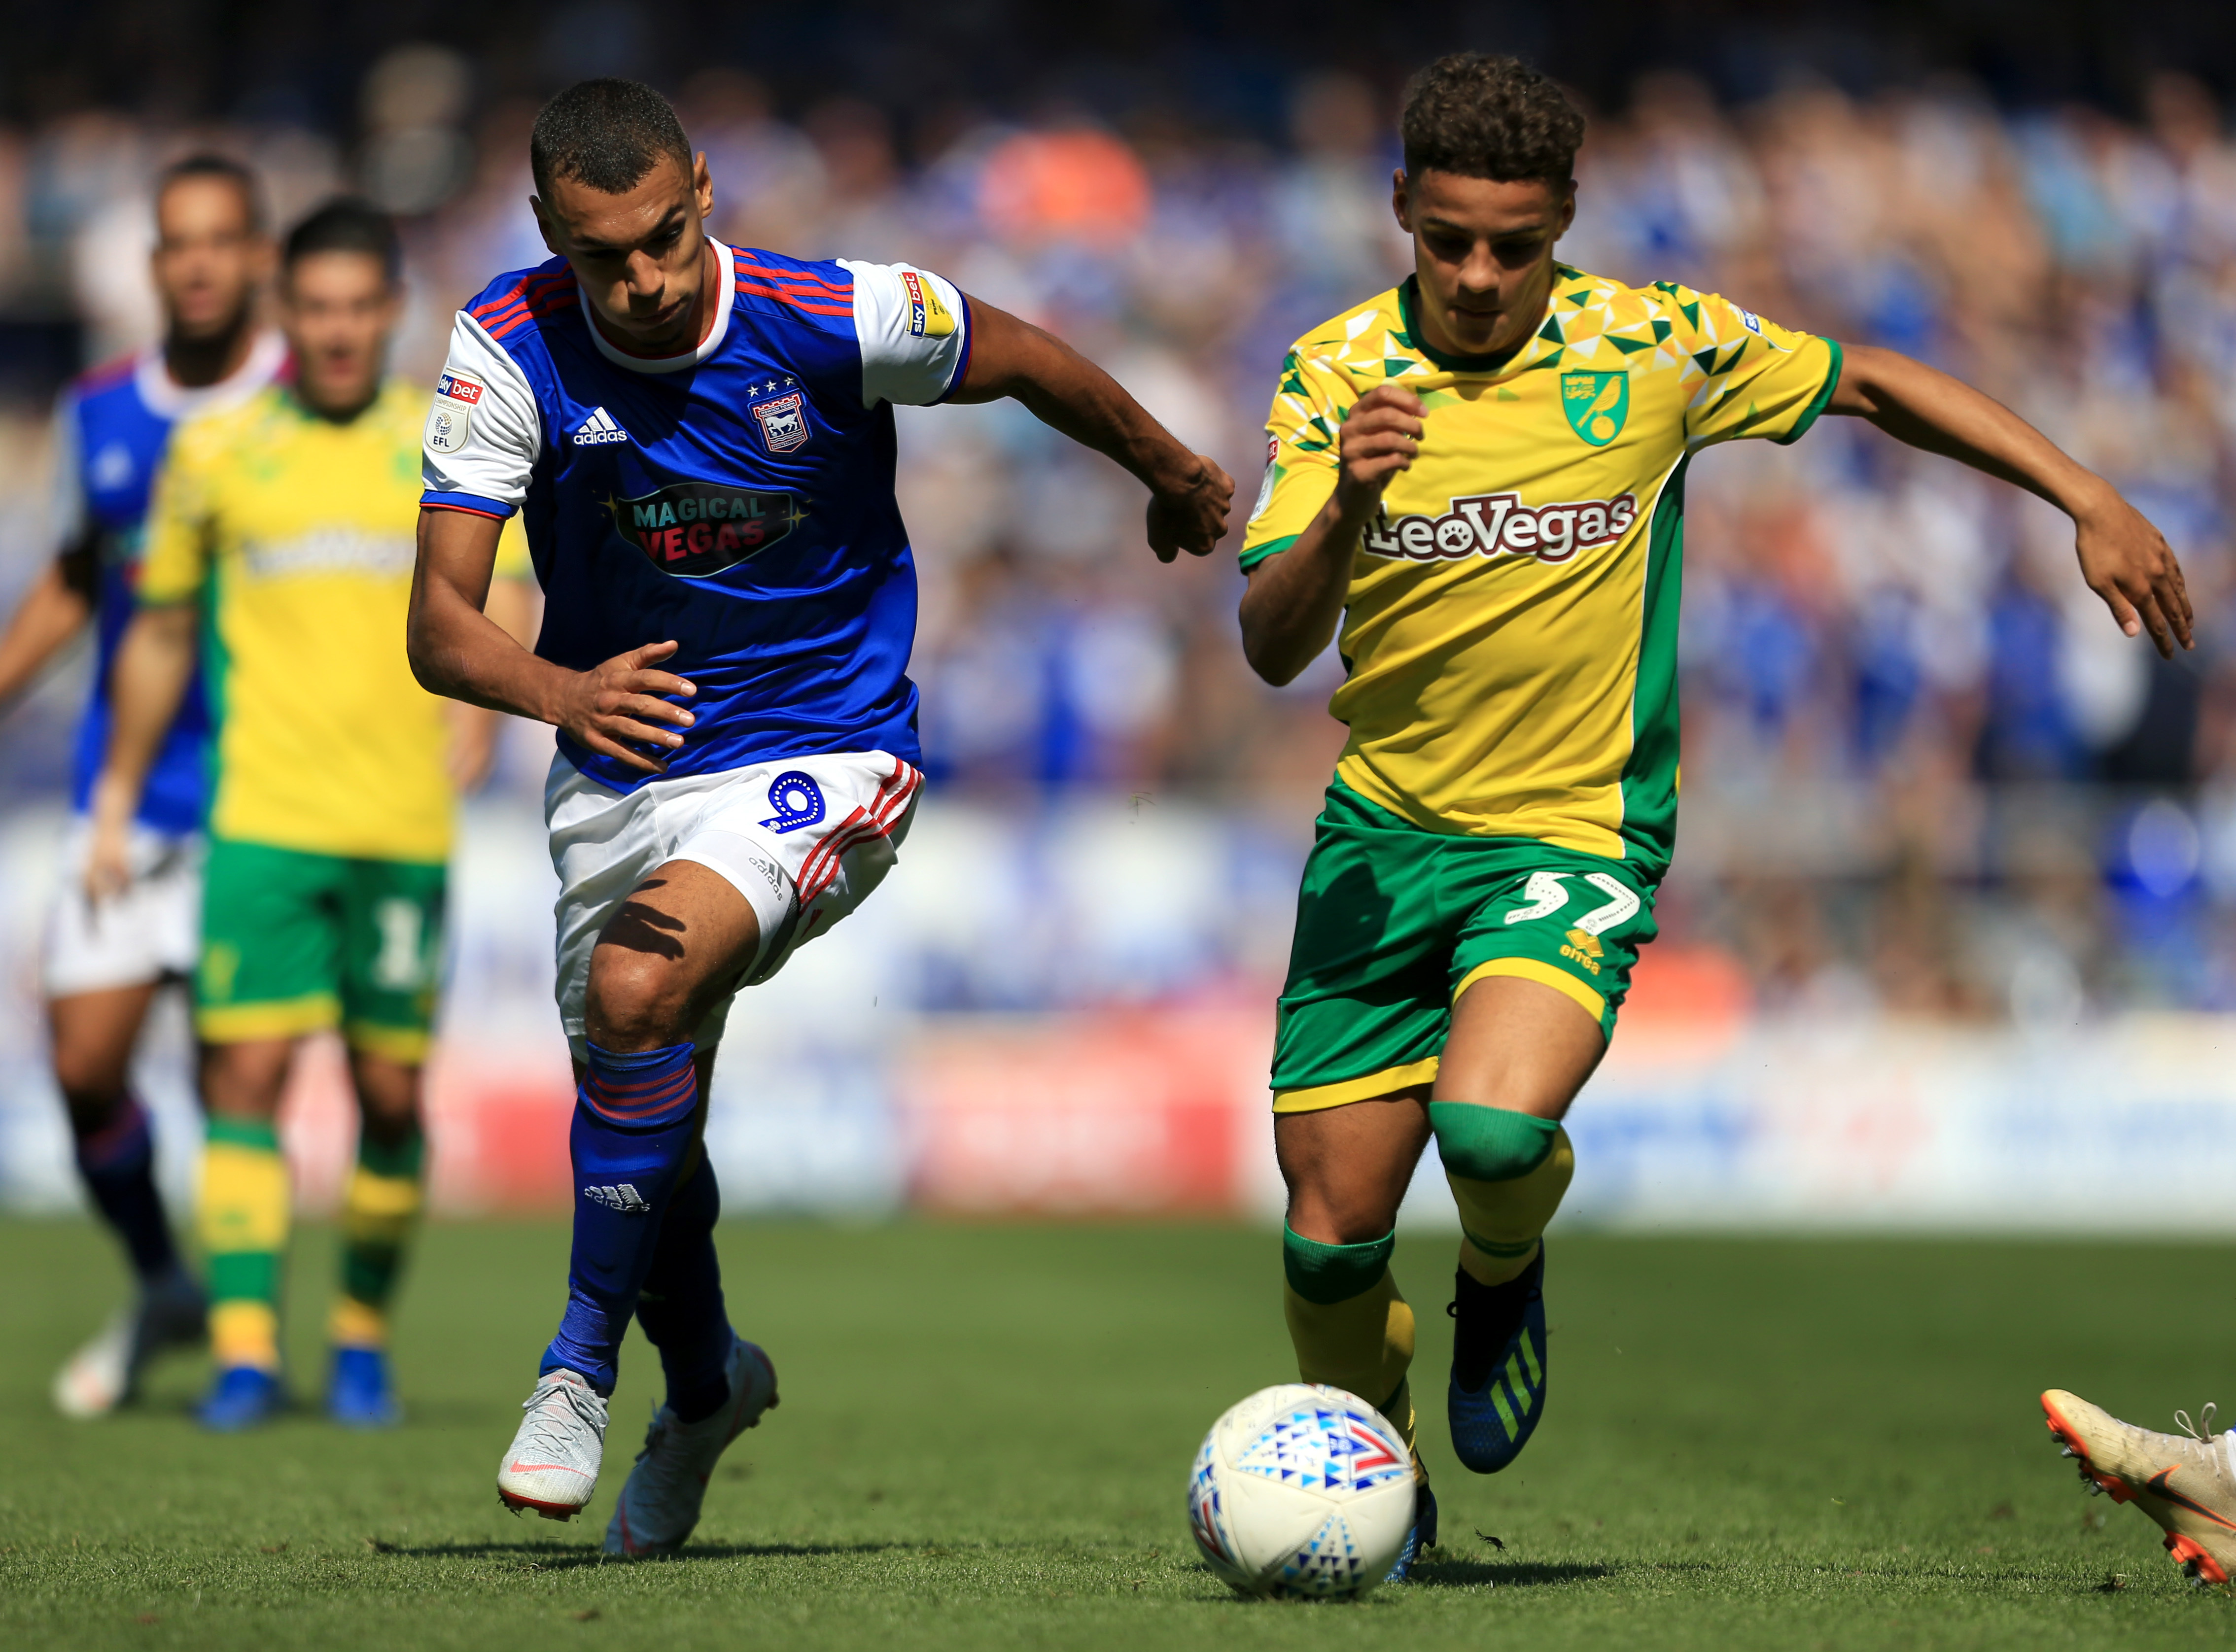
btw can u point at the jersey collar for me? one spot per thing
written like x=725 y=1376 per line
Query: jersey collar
x=167 y=398
x=1408 y=309
x=725 y=287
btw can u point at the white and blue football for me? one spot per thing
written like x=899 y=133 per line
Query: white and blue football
x=1301 y=1491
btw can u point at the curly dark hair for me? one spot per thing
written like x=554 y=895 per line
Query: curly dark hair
x=1482 y=117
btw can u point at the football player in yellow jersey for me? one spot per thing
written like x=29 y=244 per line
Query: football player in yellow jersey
x=1479 y=476
x=280 y=551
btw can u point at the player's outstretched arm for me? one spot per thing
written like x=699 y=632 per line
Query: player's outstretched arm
x=49 y=619
x=455 y=650
x=1189 y=494
x=154 y=663
x=1295 y=601
x=2124 y=559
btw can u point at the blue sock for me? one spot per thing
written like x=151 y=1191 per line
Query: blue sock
x=681 y=1304
x=118 y=1163
x=632 y=1130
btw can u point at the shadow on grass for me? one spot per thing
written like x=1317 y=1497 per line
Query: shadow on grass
x=565 y=1556
x=1518 y=1574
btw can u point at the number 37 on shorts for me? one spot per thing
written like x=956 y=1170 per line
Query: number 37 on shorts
x=1394 y=923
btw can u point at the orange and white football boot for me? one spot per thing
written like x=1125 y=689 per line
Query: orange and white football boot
x=2185 y=1482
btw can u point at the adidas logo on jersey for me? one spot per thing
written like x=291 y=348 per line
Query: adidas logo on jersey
x=623 y=1198
x=599 y=429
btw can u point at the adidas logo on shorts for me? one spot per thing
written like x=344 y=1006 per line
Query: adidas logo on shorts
x=624 y=1197
x=599 y=429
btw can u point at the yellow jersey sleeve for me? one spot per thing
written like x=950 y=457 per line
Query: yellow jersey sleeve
x=1303 y=432
x=1762 y=379
x=512 y=561
x=175 y=563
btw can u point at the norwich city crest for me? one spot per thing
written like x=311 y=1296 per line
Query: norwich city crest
x=1596 y=404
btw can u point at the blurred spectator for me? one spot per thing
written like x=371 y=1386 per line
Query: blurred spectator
x=1924 y=773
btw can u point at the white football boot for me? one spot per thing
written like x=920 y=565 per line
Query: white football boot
x=659 y=1504
x=105 y=1373
x=553 y=1465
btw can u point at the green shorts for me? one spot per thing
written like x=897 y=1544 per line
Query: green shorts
x=294 y=942
x=1393 y=923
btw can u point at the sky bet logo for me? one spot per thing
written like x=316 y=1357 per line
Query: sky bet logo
x=692 y=529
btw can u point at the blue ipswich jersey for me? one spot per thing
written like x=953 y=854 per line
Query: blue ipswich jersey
x=111 y=429
x=737 y=498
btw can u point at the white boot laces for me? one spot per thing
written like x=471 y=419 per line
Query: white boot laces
x=550 y=1427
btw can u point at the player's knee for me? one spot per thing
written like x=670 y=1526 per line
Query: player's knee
x=1491 y=1143
x=635 y=997
x=1331 y=1211
x=93 y=1082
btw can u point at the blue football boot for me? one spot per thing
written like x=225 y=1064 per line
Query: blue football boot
x=1498 y=1391
x=244 y=1396
x=359 y=1395
x=1423 y=1536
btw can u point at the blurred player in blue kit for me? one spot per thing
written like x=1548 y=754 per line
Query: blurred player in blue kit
x=104 y=962
x=700 y=441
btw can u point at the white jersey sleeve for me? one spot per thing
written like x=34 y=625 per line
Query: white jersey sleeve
x=914 y=329
x=484 y=430
x=66 y=507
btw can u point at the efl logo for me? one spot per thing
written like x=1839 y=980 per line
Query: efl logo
x=1500 y=524
x=784 y=423
x=459 y=388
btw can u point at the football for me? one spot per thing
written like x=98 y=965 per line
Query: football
x=1301 y=1492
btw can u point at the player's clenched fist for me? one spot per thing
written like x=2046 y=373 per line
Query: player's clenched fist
x=615 y=707
x=1381 y=437
x=1191 y=516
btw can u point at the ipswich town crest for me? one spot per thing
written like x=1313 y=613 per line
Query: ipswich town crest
x=783 y=420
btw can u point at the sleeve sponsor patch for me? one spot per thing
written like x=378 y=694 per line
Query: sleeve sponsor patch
x=459 y=388
x=927 y=317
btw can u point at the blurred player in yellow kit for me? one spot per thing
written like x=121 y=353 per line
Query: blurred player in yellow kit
x=1479 y=476
x=279 y=555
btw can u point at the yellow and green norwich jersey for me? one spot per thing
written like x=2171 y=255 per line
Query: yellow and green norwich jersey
x=296 y=535
x=1509 y=639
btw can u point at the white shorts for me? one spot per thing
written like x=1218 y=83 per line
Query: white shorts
x=150 y=932
x=804 y=840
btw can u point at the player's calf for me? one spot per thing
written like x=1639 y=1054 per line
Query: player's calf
x=1508 y=1172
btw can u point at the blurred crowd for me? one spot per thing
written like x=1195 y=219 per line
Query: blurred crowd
x=1925 y=772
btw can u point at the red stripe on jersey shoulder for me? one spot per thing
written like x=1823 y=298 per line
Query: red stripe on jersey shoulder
x=556 y=304
x=793 y=278
x=530 y=289
x=796 y=301
x=112 y=372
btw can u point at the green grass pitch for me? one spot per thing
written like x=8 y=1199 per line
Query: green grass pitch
x=985 y=1431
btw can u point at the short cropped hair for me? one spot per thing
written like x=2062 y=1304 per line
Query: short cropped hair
x=346 y=224
x=224 y=169
x=606 y=134
x=1482 y=116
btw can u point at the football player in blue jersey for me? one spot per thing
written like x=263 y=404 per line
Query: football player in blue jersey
x=104 y=964
x=700 y=439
